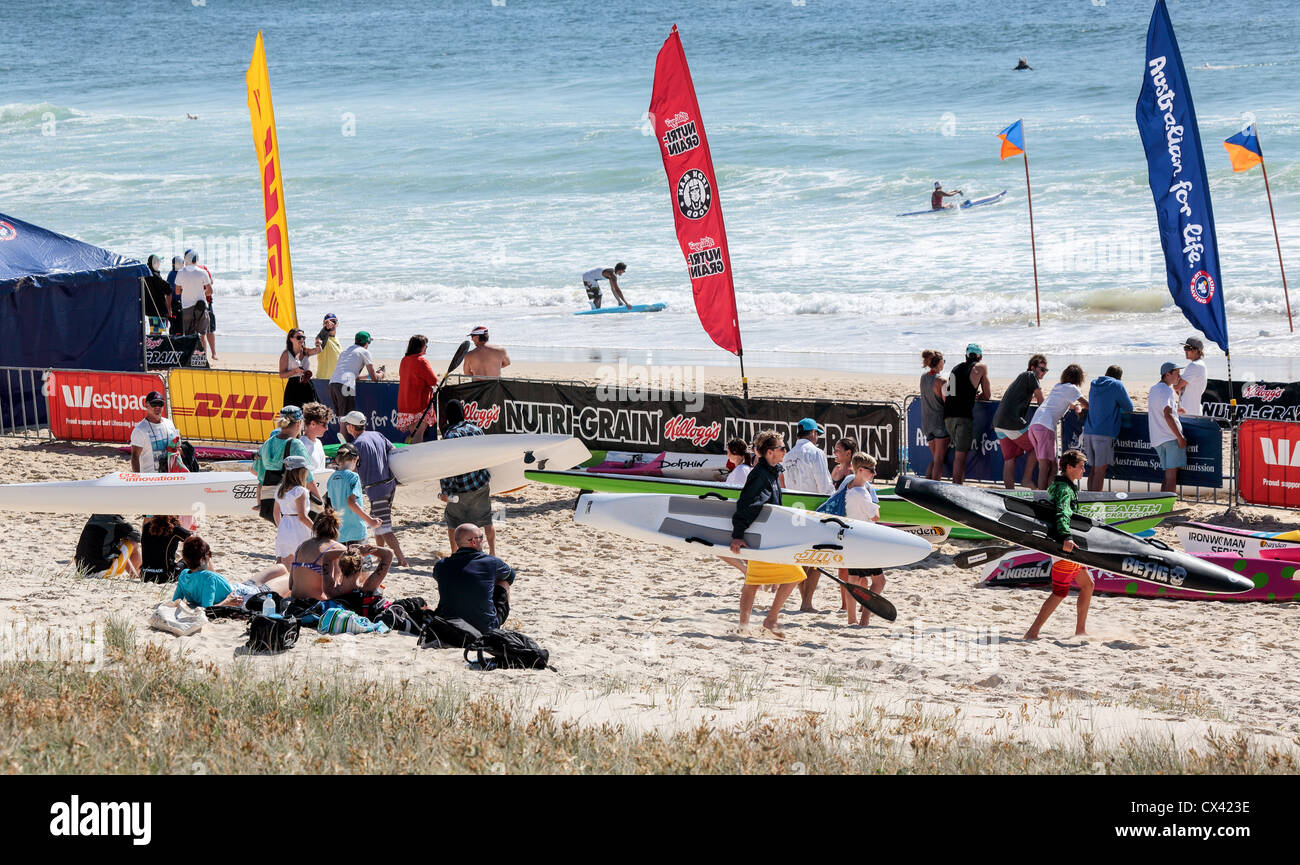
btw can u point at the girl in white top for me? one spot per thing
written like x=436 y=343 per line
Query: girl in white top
x=291 y=502
x=1067 y=395
x=861 y=503
x=738 y=453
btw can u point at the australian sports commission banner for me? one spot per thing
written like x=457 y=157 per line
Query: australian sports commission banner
x=637 y=420
x=1135 y=459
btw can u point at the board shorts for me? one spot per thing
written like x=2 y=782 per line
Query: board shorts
x=1171 y=455
x=407 y=421
x=1012 y=448
x=593 y=294
x=962 y=430
x=194 y=319
x=866 y=572
x=342 y=403
x=768 y=574
x=471 y=507
x=936 y=435
x=1098 y=450
x=1063 y=574
x=381 y=508
x=1043 y=440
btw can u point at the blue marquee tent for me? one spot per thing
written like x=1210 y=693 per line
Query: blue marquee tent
x=64 y=304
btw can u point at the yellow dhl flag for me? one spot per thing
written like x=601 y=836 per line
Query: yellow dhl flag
x=277 y=299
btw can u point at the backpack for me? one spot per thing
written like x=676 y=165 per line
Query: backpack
x=266 y=634
x=188 y=458
x=509 y=650
x=449 y=633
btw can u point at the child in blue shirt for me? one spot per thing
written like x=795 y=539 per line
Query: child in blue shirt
x=344 y=490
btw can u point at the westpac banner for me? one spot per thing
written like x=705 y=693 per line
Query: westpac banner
x=1270 y=463
x=98 y=406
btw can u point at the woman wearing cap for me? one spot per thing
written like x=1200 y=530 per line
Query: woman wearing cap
x=295 y=368
x=269 y=463
x=291 y=501
x=328 y=343
x=415 y=388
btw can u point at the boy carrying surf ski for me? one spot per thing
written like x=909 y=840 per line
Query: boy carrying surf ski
x=1064 y=496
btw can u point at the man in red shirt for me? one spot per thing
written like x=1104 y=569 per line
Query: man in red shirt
x=415 y=388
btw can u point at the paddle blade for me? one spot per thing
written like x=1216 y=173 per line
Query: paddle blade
x=459 y=356
x=879 y=605
x=975 y=558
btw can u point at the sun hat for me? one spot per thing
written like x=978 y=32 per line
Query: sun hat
x=355 y=418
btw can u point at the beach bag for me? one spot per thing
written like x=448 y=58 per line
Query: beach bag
x=179 y=618
x=835 y=505
x=267 y=634
x=449 y=633
x=398 y=619
x=342 y=621
x=509 y=650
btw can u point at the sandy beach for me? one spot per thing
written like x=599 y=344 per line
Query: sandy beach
x=645 y=636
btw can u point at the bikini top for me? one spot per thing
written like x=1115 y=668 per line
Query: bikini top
x=314 y=565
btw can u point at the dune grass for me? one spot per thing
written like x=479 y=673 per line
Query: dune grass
x=149 y=711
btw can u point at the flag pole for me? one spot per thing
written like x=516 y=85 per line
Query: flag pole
x=1233 y=481
x=744 y=381
x=1033 y=248
x=1276 y=241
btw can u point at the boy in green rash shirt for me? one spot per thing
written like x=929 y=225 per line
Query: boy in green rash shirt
x=1064 y=496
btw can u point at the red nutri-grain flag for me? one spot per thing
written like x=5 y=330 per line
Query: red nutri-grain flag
x=693 y=189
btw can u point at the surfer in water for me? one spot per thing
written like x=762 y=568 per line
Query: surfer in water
x=1064 y=496
x=591 y=282
x=937 y=197
x=1022 y=64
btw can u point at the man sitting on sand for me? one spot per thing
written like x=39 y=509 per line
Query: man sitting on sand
x=485 y=360
x=1064 y=496
x=473 y=585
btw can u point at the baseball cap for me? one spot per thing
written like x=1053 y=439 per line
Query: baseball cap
x=355 y=418
x=154 y=398
x=479 y=331
x=974 y=348
x=808 y=425
x=1166 y=368
x=191 y=257
x=1194 y=342
x=362 y=337
x=292 y=412
x=293 y=461
x=329 y=316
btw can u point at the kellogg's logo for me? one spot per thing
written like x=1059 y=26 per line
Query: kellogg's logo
x=1202 y=287
x=705 y=258
x=679 y=427
x=1258 y=391
x=482 y=418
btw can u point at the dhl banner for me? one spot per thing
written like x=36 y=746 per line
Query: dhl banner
x=98 y=406
x=277 y=299
x=218 y=405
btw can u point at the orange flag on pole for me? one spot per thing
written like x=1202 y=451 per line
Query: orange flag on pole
x=277 y=299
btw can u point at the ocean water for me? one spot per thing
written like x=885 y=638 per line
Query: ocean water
x=462 y=163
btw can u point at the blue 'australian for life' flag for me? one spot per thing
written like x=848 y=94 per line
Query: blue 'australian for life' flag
x=1176 y=169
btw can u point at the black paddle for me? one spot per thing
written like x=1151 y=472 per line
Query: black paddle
x=456 y=359
x=878 y=604
x=976 y=557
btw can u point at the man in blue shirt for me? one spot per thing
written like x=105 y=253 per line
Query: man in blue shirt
x=373 y=451
x=472 y=503
x=473 y=585
x=1107 y=402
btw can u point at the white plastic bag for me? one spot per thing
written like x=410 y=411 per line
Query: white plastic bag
x=179 y=618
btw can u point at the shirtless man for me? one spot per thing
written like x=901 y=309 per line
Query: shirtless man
x=591 y=282
x=937 y=197
x=485 y=360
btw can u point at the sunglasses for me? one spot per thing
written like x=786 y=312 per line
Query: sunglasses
x=157 y=404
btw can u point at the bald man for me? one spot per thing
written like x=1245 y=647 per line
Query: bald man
x=471 y=584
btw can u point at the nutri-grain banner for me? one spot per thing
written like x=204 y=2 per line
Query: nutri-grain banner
x=652 y=421
x=98 y=406
x=1265 y=400
x=1270 y=463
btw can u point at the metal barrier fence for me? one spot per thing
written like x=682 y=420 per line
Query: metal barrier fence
x=23 y=410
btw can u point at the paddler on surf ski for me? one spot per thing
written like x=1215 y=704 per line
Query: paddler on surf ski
x=937 y=197
x=762 y=487
x=1064 y=496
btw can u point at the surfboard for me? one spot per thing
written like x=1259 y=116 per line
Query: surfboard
x=779 y=535
x=668 y=464
x=1199 y=538
x=207 y=452
x=895 y=511
x=965 y=205
x=1027 y=524
x=636 y=307
x=1272 y=580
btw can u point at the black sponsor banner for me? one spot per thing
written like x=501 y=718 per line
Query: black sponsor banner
x=1264 y=400
x=632 y=419
x=165 y=352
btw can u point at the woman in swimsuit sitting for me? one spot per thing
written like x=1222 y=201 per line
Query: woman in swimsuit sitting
x=315 y=571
